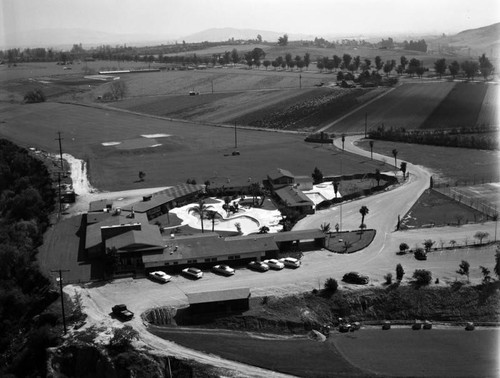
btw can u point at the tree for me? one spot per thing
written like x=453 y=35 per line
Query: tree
x=496 y=269
x=212 y=215
x=379 y=63
x=317 y=175
x=371 y=149
x=399 y=272
x=428 y=243
x=259 y=38
x=325 y=228
x=454 y=68
x=266 y=63
x=422 y=277
x=283 y=41
x=307 y=60
x=403 y=62
x=34 y=96
x=388 y=278
x=235 y=56
x=331 y=285
x=123 y=337
x=378 y=176
x=363 y=211
x=395 y=154
x=255 y=191
x=485 y=66
x=388 y=68
x=486 y=274
x=200 y=209
x=335 y=184
x=336 y=61
x=403 y=247
x=263 y=230
x=288 y=59
x=118 y=89
x=464 y=269
x=343 y=141
x=141 y=176
x=481 y=235
x=402 y=167
x=470 y=69
x=346 y=59
x=440 y=67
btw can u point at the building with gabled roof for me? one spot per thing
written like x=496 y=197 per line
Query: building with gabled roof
x=294 y=199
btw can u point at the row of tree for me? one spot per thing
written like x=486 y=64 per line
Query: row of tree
x=481 y=139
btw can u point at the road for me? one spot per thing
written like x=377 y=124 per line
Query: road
x=377 y=260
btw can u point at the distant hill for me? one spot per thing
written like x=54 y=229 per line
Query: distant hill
x=474 y=41
x=224 y=34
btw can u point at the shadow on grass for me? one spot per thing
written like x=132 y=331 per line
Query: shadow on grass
x=349 y=242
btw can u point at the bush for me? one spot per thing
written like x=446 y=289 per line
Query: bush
x=34 y=96
x=422 y=277
x=420 y=254
x=388 y=278
x=331 y=285
x=122 y=337
x=399 y=272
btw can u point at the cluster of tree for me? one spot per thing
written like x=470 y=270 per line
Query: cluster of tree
x=481 y=139
x=386 y=44
x=26 y=200
x=34 y=96
x=419 y=45
x=321 y=42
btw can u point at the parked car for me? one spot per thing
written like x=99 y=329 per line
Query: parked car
x=225 y=270
x=355 y=278
x=290 y=262
x=122 y=312
x=274 y=264
x=160 y=276
x=192 y=272
x=258 y=266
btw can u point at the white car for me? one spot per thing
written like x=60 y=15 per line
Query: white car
x=274 y=264
x=160 y=276
x=290 y=262
x=226 y=270
x=193 y=272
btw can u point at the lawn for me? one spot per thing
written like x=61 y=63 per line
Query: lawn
x=398 y=352
x=192 y=150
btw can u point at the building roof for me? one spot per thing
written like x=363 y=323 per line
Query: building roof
x=278 y=173
x=218 y=296
x=293 y=197
x=99 y=205
x=93 y=235
x=164 y=196
x=147 y=238
x=207 y=245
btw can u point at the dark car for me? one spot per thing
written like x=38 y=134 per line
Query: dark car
x=355 y=278
x=258 y=266
x=122 y=312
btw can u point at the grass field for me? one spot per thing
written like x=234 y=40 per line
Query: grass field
x=461 y=107
x=191 y=151
x=446 y=163
x=369 y=352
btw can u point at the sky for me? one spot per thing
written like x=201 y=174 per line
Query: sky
x=177 y=18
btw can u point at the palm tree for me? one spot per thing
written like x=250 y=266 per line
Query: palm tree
x=212 y=215
x=343 y=140
x=363 y=211
x=254 y=190
x=325 y=228
x=200 y=209
x=395 y=154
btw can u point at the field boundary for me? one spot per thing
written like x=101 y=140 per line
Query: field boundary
x=475 y=203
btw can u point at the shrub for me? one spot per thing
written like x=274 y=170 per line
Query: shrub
x=34 y=96
x=123 y=337
x=422 y=277
x=388 y=278
x=399 y=272
x=420 y=254
x=331 y=285
x=403 y=247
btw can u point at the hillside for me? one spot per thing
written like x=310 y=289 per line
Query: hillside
x=481 y=40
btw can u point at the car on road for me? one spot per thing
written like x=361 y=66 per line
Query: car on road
x=122 y=312
x=355 y=278
x=192 y=272
x=258 y=266
x=274 y=264
x=290 y=262
x=223 y=269
x=159 y=276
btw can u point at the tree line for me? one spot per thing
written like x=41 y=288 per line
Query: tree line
x=26 y=200
x=476 y=138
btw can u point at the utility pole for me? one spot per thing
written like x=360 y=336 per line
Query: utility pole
x=340 y=223
x=60 y=150
x=60 y=271
x=235 y=137
x=366 y=120
x=59 y=190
